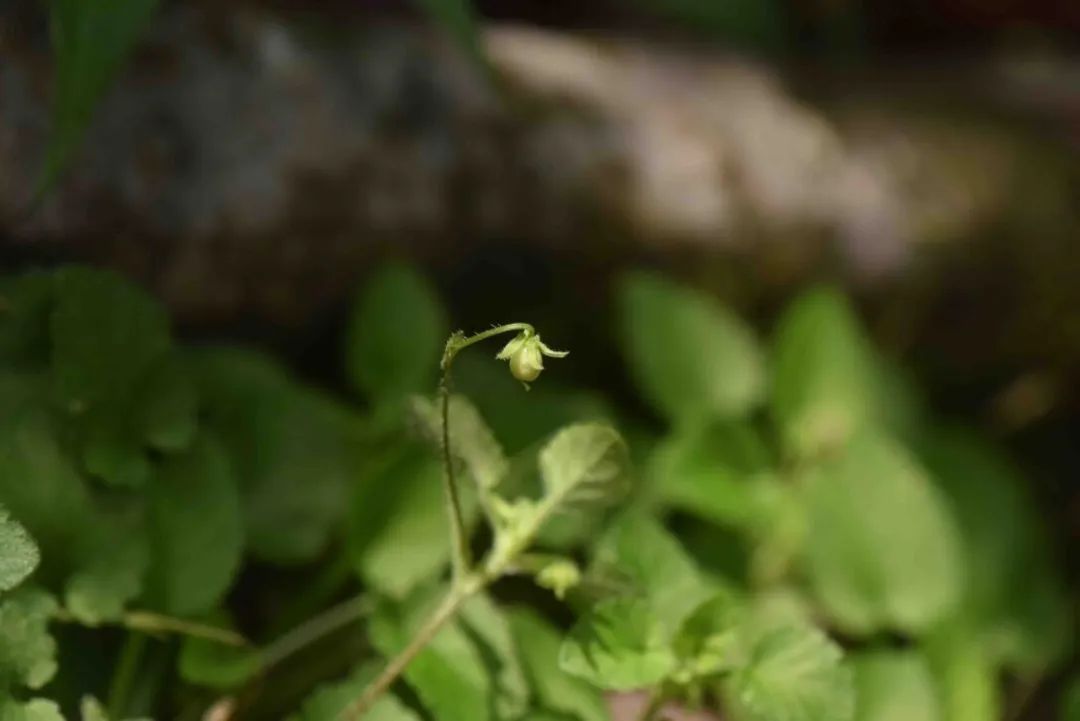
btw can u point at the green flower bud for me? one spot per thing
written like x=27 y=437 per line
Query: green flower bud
x=527 y=362
x=559 y=576
x=526 y=355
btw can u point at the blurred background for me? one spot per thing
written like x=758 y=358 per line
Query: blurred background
x=251 y=162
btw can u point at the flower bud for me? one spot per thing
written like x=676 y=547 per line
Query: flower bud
x=526 y=355
x=559 y=576
x=527 y=362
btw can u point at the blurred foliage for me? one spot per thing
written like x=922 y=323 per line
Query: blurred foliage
x=91 y=40
x=140 y=478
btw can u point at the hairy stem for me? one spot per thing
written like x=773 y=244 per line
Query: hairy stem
x=459 y=538
x=466 y=582
x=459 y=342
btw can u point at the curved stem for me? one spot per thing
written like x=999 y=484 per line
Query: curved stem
x=459 y=537
x=459 y=341
x=466 y=583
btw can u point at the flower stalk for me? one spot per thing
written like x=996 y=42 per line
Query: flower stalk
x=525 y=355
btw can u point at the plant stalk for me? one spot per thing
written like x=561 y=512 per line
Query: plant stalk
x=459 y=537
x=124 y=676
x=156 y=624
x=462 y=557
x=149 y=622
x=312 y=630
x=446 y=611
x=497 y=565
x=466 y=582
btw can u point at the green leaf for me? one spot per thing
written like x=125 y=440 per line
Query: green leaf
x=1014 y=595
x=689 y=355
x=91 y=41
x=41 y=488
x=330 y=700
x=967 y=678
x=899 y=405
x=106 y=333
x=1070 y=706
x=280 y=436
x=19 y=555
x=471 y=440
x=543 y=715
x=28 y=653
x=168 y=406
x=519 y=420
x=783 y=606
x=792 y=673
x=538 y=643
x=37 y=709
x=396 y=335
x=883 y=551
x=620 y=644
x=823 y=375
x=196 y=530
x=490 y=630
x=449 y=675
x=113 y=450
x=716 y=470
x=25 y=304
x=894 y=686
x=657 y=568
x=401 y=532
x=710 y=639
x=585 y=464
x=92 y=710
x=209 y=663
x=114 y=576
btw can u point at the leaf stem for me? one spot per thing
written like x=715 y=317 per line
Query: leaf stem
x=156 y=623
x=316 y=595
x=312 y=630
